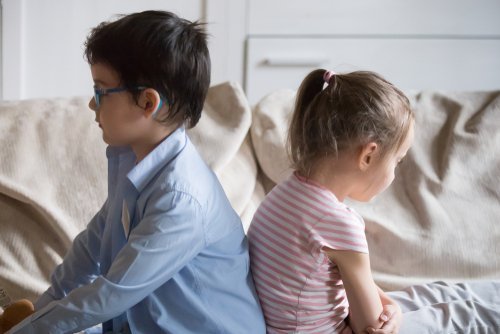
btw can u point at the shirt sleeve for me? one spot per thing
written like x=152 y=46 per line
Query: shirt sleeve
x=80 y=265
x=165 y=240
x=339 y=232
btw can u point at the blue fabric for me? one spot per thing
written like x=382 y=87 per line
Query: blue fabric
x=181 y=266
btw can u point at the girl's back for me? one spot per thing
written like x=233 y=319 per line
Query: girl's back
x=300 y=289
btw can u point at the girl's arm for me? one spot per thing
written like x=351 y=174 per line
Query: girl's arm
x=392 y=315
x=365 y=305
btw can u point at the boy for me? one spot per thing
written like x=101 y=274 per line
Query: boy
x=166 y=253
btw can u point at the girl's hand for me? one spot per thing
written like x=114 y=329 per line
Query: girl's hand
x=392 y=317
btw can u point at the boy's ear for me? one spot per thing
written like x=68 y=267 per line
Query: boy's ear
x=367 y=155
x=150 y=101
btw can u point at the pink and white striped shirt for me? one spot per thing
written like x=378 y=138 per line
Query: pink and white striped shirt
x=299 y=287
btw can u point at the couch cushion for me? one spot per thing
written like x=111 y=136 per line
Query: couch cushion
x=271 y=117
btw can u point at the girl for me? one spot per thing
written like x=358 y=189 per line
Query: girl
x=309 y=254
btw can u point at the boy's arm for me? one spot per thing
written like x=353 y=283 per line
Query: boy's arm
x=165 y=240
x=365 y=305
x=80 y=265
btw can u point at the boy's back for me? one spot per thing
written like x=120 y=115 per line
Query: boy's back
x=210 y=246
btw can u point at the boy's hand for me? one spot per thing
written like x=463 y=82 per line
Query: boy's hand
x=392 y=317
x=15 y=313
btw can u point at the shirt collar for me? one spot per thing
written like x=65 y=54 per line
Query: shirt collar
x=115 y=151
x=142 y=173
x=158 y=158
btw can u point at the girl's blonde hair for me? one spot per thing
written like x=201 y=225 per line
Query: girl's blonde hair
x=353 y=109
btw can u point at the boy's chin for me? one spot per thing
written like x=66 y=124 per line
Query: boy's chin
x=110 y=141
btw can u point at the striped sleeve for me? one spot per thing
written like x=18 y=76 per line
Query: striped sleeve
x=340 y=232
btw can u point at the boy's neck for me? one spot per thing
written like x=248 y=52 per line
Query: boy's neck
x=151 y=140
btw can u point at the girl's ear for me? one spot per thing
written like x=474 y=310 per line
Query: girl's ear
x=367 y=155
x=151 y=102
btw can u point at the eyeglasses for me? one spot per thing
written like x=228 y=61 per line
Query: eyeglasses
x=98 y=92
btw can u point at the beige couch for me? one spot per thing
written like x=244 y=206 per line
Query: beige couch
x=439 y=220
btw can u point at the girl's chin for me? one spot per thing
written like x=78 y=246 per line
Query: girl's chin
x=362 y=198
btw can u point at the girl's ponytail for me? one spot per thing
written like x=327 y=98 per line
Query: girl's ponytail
x=297 y=144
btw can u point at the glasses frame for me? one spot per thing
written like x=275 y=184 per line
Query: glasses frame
x=99 y=92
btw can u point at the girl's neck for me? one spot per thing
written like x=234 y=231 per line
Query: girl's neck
x=336 y=175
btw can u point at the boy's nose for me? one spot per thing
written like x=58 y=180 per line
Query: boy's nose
x=92 y=104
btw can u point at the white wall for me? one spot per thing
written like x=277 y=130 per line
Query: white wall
x=1 y=52
x=416 y=44
x=43 y=41
x=445 y=44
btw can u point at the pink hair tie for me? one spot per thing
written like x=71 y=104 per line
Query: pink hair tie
x=328 y=75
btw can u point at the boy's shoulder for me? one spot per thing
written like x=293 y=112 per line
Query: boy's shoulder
x=187 y=176
x=183 y=170
x=187 y=171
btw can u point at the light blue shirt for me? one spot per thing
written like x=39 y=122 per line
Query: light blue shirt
x=165 y=254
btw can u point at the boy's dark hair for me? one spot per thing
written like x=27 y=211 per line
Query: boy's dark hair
x=160 y=50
